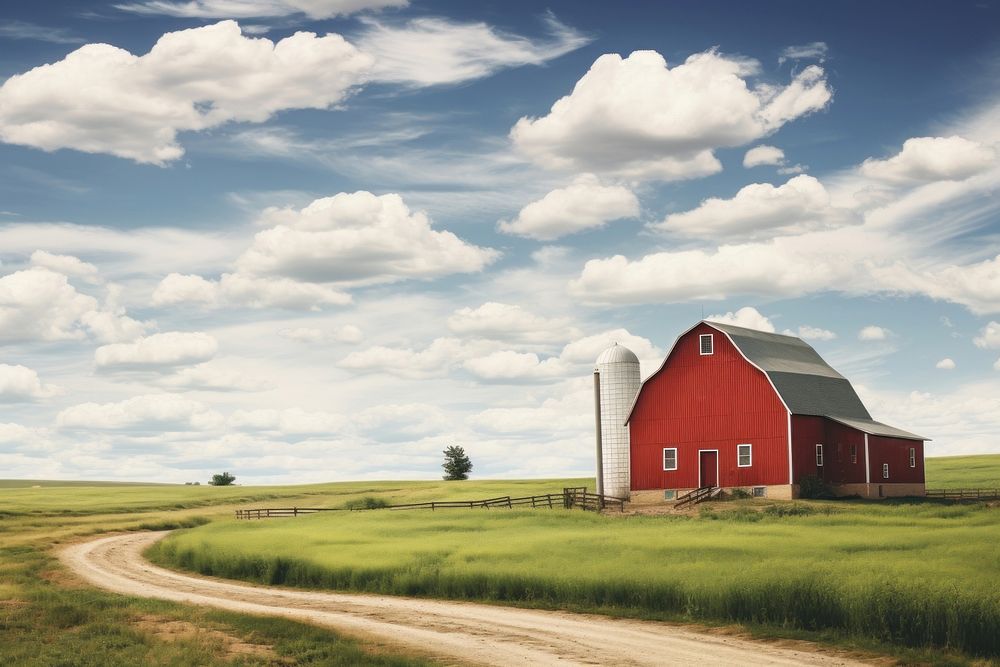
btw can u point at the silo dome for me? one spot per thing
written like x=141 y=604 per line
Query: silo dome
x=617 y=376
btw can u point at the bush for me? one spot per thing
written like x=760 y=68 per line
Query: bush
x=366 y=503
x=224 y=479
x=812 y=486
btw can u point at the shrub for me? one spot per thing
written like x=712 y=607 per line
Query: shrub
x=812 y=486
x=366 y=503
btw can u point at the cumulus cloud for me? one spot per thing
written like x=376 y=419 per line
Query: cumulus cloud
x=160 y=351
x=639 y=118
x=989 y=337
x=585 y=204
x=757 y=209
x=237 y=289
x=170 y=412
x=511 y=365
x=946 y=364
x=748 y=317
x=762 y=155
x=435 y=360
x=20 y=383
x=66 y=265
x=571 y=411
x=872 y=332
x=347 y=333
x=932 y=159
x=434 y=51
x=355 y=239
x=502 y=321
x=288 y=421
x=235 y=9
x=103 y=99
x=40 y=304
x=806 y=332
x=207 y=377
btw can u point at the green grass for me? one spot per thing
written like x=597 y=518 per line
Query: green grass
x=963 y=472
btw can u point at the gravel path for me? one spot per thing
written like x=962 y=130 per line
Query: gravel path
x=457 y=632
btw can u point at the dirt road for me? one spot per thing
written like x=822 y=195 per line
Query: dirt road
x=465 y=633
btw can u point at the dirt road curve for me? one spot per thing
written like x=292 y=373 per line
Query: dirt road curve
x=455 y=631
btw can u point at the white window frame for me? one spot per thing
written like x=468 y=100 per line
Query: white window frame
x=749 y=447
x=854 y=453
x=913 y=457
x=885 y=471
x=819 y=455
x=669 y=449
x=711 y=344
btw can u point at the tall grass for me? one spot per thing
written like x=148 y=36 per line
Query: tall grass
x=906 y=574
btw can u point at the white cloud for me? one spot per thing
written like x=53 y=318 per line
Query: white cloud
x=946 y=364
x=288 y=421
x=237 y=289
x=358 y=238
x=403 y=419
x=638 y=118
x=511 y=365
x=763 y=155
x=442 y=355
x=157 y=352
x=586 y=350
x=996 y=365
x=757 y=209
x=976 y=286
x=989 y=337
x=571 y=411
x=813 y=50
x=932 y=159
x=434 y=51
x=20 y=383
x=585 y=204
x=502 y=321
x=872 y=332
x=347 y=333
x=171 y=412
x=806 y=332
x=235 y=9
x=102 y=99
x=208 y=377
x=66 y=264
x=39 y=304
x=747 y=316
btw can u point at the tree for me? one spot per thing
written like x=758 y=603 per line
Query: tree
x=456 y=464
x=225 y=479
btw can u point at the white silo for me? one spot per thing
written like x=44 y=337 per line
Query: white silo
x=616 y=382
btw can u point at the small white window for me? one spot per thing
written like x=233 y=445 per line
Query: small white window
x=913 y=457
x=885 y=471
x=854 y=453
x=670 y=458
x=705 y=344
x=819 y=456
x=744 y=456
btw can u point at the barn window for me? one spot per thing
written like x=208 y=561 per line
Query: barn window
x=854 y=453
x=705 y=344
x=670 y=458
x=885 y=471
x=759 y=491
x=819 y=456
x=913 y=457
x=744 y=456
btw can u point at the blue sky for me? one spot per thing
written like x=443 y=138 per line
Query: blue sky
x=334 y=236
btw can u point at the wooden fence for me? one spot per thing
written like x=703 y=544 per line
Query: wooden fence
x=570 y=498
x=964 y=494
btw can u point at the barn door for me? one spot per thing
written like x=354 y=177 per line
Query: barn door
x=708 y=473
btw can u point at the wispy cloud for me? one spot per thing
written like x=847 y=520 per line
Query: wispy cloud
x=38 y=33
x=811 y=51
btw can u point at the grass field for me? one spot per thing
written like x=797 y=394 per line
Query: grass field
x=839 y=572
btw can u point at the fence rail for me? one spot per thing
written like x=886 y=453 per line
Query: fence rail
x=964 y=494
x=696 y=496
x=576 y=497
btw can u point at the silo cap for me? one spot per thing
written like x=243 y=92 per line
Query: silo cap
x=617 y=354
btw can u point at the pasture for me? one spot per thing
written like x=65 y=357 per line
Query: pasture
x=884 y=577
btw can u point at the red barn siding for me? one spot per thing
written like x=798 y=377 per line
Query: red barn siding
x=708 y=402
x=895 y=452
x=836 y=438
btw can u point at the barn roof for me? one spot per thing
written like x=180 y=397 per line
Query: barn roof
x=806 y=384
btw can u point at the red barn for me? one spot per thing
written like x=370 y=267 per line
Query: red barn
x=739 y=408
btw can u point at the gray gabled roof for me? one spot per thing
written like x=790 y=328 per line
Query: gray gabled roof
x=804 y=381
